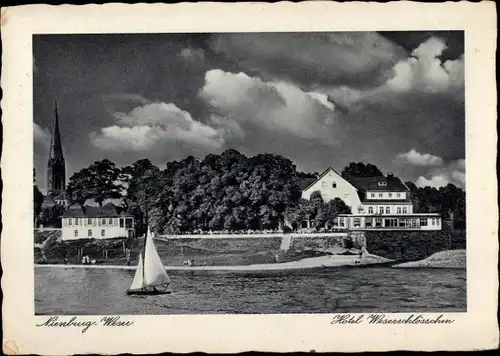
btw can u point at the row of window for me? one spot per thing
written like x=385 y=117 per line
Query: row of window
x=379 y=222
x=325 y=184
x=381 y=195
x=104 y=221
x=89 y=233
x=385 y=210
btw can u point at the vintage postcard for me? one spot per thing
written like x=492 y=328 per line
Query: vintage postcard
x=249 y=177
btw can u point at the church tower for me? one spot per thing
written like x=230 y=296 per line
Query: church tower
x=56 y=168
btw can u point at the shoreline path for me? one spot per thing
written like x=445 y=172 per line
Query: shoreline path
x=314 y=262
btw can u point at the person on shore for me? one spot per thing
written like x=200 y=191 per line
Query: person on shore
x=65 y=261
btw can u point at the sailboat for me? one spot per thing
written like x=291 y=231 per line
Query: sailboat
x=150 y=277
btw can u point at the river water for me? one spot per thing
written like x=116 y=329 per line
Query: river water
x=62 y=291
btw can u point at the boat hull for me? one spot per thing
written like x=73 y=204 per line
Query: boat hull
x=148 y=292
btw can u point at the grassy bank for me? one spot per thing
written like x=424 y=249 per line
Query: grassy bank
x=413 y=245
x=443 y=259
x=207 y=252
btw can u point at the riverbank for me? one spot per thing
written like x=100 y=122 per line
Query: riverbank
x=314 y=262
x=443 y=259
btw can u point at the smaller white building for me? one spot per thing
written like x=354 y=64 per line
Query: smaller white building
x=88 y=222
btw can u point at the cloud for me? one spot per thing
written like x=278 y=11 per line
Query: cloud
x=153 y=125
x=273 y=106
x=419 y=159
x=41 y=135
x=424 y=71
x=453 y=173
x=356 y=59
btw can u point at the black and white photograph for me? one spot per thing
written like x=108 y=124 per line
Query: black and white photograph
x=225 y=178
x=249 y=173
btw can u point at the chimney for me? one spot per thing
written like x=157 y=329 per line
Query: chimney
x=390 y=175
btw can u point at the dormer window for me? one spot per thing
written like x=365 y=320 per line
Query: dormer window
x=382 y=184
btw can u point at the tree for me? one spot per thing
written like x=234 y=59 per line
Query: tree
x=141 y=180
x=329 y=211
x=361 y=170
x=37 y=198
x=51 y=216
x=226 y=191
x=100 y=181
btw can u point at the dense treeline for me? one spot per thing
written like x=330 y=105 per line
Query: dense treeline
x=449 y=201
x=229 y=191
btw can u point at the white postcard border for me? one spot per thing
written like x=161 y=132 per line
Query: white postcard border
x=475 y=329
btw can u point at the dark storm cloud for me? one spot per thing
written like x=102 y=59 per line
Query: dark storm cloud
x=454 y=41
x=357 y=59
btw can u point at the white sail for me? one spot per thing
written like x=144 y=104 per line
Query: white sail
x=138 y=282
x=154 y=271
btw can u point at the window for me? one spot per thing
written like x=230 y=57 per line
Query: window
x=387 y=210
x=121 y=222
x=423 y=221
x=413 y=222
x=368 y=222
x=398 y=195
x=405 y=210
x=76 y=232
x=103 y=232
x=77 y=221
x=334 y=185
x=381 y=210
x=103 y=221
x=90 y=233
x=433 y=221
x=89 y=221
x=382 y=184
x=390 y=195
x=324 y=184
x=380 y=195
x=110 y=221
x=398 y=210
x=437 y=221
x=129 y=223
x=357 y=222
x=378 y=222
x=402 y=222
x=70 y=222
x=341 y=222
x=361 y=210
x=373 y=195
x=370 y=210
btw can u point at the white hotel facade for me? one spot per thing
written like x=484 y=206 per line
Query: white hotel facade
x=377 y=203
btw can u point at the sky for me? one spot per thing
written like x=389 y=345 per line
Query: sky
x=393 y=99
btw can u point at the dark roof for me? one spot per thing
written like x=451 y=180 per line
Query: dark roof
x=108 y=210
x=306 y=182
x=392 y=184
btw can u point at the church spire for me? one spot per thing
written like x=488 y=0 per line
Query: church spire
x=56 y=146
x=56 y=168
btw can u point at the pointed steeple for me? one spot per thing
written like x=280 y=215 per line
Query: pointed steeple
x=56 y=168
x=56 y=146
